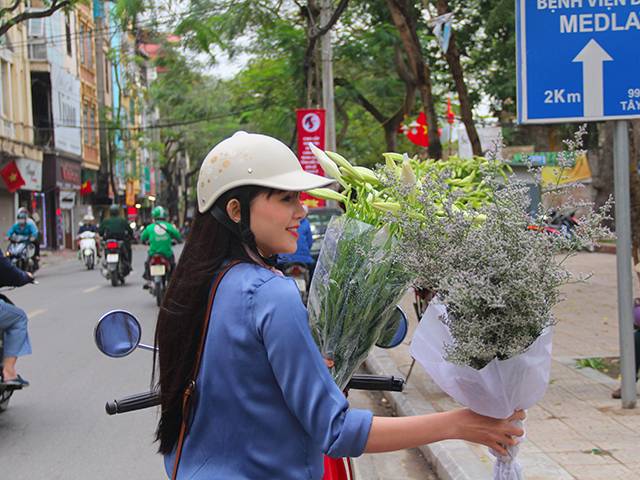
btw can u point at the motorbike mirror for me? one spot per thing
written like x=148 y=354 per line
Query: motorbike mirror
x=395 y=331
x=117 y=333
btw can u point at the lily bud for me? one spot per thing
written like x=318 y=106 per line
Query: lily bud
x=327 y=194
x=344 y=163
x=407 y=176
x=329 y=167
x=392 y=207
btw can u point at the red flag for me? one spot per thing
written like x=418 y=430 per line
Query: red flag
x=12 y=177
x=417 y=132
x=450 y=115
x=86 y=189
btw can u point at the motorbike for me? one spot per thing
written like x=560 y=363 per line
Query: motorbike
x=160 y=271
x=115 y=267
x=88 y=250
x=301 y=275
x=6 y=392
x=564 y=224
x=118 y=333
x=21 y=252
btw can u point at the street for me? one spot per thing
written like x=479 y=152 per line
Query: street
x=57 y=428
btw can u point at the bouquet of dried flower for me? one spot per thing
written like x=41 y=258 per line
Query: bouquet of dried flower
x=486 y=338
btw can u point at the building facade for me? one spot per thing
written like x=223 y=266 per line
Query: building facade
x=17 y=128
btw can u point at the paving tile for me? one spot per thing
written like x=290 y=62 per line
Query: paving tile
x=586 y=457
x=602 y=472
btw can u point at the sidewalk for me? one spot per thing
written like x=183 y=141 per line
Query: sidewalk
x=577 y=431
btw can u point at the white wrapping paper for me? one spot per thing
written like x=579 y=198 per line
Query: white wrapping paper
x=497 y=390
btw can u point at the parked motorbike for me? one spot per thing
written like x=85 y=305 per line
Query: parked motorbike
x=160 y=271
x=118 y=334
x=301 y=275
x=21 y=252
x=115 y=267
x=557 y=222
x=88 y=249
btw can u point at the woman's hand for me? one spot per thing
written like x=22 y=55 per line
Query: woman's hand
x=495 y=434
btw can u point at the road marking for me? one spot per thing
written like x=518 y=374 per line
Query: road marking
x=92 y=289
x=35 y=313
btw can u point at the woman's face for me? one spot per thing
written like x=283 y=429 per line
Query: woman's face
x=274 y=222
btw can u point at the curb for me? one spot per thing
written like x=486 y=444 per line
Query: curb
x=451 y=459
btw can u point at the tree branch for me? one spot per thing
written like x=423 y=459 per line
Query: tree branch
x=362 y=100
x=10 y=8
x=332 y=21
x=21 y=17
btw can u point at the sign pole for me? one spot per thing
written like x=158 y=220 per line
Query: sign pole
x=623 y=258
x=327 y=76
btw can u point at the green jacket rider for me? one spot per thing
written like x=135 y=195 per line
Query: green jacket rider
x=159 y=234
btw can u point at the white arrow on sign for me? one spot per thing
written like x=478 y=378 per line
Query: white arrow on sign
x=592 y=57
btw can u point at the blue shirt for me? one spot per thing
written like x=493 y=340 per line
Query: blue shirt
x=26 y=229
x=303 y=250
x=266 y=406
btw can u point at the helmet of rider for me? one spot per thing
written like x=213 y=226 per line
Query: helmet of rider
x=249 y=159
x=88 y=218
x=114 y=210
x=158 y=213
x=22 y=217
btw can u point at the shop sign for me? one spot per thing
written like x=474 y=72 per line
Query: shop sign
x=67 y=199
x=31 y=172
x=69 y=174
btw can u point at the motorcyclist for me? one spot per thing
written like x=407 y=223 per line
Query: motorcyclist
x=24 y=228
x=36 y=242
x=118 y=228
x=88 y=225
x=159 y=234
x=13 y=325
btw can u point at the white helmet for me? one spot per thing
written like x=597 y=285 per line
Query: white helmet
x=88 y=218
x=252 y=159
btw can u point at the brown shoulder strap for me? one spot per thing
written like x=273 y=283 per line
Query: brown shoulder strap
x=191 y=386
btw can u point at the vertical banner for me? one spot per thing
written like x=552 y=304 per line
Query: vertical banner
x=310 y=124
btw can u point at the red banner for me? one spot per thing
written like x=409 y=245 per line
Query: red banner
x=12 y=177
x=311 y=129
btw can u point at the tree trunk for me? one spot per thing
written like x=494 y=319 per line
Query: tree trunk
x=601 y=164
x=404 y=18
x=634 y=190
x=466 y=109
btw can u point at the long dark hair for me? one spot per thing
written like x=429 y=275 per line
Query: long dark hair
x=180 y=320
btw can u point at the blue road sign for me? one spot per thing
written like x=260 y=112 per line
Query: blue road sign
x=578 y=60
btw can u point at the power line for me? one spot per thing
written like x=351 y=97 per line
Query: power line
x=171 y=123
x=161 y=20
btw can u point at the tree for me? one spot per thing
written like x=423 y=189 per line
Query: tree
x=455 y=66
x=405 y=17
x=17 y=12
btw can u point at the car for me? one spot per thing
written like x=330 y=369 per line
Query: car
x=318 y=221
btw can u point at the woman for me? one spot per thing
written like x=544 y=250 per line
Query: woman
x=265 y=405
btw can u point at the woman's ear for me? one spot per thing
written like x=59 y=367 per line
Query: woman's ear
x=233 y=210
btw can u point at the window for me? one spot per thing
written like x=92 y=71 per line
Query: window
x=92 y=125
x=36 y=27
x=107 y=74
x=89 y=47
x=5 y=84
x=85 y=123
x=67 y=33
x=82 y=45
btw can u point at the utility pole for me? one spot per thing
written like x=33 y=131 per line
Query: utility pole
x=326 y=10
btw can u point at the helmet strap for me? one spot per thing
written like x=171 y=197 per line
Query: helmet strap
x=243 y=229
